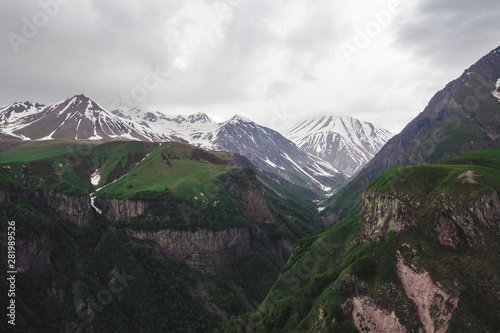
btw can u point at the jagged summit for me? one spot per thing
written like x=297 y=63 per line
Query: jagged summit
x=200 y=117
x=239 y=118
x=77 y=117
x=345 y=142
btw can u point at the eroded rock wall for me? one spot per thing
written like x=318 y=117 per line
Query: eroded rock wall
x=207 y=251
x=122 y=209
x=385 y=212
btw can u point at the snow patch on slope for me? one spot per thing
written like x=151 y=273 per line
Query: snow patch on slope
x=95 y=178
x=298 y=168
x=496 y=92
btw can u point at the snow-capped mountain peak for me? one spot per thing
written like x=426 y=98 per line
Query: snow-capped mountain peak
x=10 y=114
x=200 y=117
x=161 y=127
x=77 y=117
x=238 y=119
x=346 y=142
x=319 y=152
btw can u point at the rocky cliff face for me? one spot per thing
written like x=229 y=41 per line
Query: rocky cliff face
x=454 y=219
x=255 y=205
x=207 y=251
x=459 y=218
x=71 y=208
x=385 y=212
x=121 y=209
x=250 y=195
x=8 y=196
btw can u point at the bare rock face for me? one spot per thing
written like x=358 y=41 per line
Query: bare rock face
x=122 y=209
x=385 y=212
x=250 y=196
x=458 y=218
x=71 y=208
x=367 y=316
x=454 y=220
x=487 y=209
x=207 y=251
x=448 y=232
x=8 y=196
x=435 y=305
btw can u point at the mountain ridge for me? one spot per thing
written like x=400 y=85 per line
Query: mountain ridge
x=80 y=118
x=345 y=142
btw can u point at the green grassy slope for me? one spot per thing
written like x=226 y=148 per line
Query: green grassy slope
x=38 y=150
x=470 y=174
x=176 y=166
x=185 y=170
x=67 y=166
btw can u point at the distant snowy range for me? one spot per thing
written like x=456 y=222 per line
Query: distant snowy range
x=321 y=152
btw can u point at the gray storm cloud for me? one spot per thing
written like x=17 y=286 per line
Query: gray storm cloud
x=255 y=58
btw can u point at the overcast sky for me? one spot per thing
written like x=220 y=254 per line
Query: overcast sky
x=274 y=61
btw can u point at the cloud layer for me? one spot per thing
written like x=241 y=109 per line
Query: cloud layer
x=274 y=62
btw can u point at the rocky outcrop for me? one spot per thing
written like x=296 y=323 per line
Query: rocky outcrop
x=435 y=305
x=459 y=221
x=71 y=208
x=207 y=251
x=368 y=317
x=452 y=218
x=12 y=195
x=487 y=209
x=453 y=223
x=121 y=209
x=385 y=212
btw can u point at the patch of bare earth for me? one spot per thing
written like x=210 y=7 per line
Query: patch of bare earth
x=435 y=305
x=368 y=317
x=468 y=177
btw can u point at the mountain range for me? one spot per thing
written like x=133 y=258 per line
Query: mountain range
x=302 y=156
